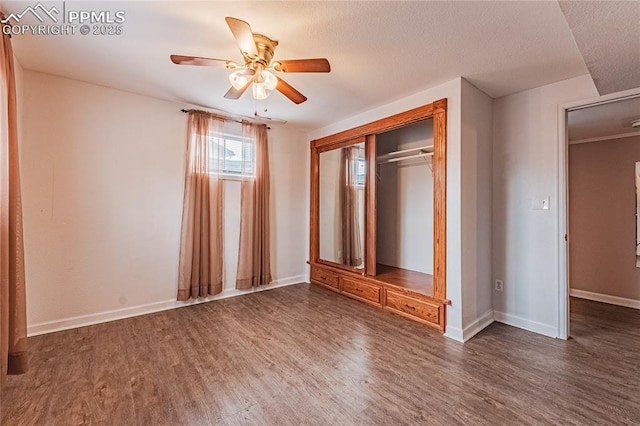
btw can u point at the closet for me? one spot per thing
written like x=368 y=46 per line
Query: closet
x=378 y=214
x=404 y=198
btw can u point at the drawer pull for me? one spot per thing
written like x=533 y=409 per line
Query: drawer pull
x=410 y=307
x=359 y=290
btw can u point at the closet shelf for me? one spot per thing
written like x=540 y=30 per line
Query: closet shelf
x=405 y=154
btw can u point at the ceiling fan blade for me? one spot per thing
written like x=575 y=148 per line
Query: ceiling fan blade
x=290 y=92
x=244 y=36
x=206 y=62
x=303 y=65
x=234 y=93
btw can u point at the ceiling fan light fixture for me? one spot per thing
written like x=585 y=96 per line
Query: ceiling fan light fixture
x=260 y=91
x=269 y=80
x=239 y=78
x=263 y=86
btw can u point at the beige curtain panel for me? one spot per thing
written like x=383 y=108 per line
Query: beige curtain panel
x=13 y=317
x=254 y=259
x=201 y=240
x=349 y=209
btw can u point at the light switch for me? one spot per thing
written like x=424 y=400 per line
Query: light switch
x=540 y=203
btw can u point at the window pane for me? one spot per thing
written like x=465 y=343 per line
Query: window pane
x=233 y=162
x=236 y=156
x=361 y=171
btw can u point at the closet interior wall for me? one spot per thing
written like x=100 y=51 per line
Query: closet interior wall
x=404 y=194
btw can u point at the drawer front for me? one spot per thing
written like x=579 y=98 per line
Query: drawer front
x=325 y=277
x=414 y=307
x=361 y=290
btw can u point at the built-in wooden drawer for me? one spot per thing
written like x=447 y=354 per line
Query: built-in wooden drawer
x=405 y=305
x=325 y=277
x=361 y=290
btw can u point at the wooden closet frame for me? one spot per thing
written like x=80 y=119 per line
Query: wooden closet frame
x=367 y=133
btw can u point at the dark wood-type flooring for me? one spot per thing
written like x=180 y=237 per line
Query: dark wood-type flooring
x=305 y=355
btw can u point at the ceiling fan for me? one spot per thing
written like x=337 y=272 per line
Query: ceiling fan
x=256 y=70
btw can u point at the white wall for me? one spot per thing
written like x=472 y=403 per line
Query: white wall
x=405 y=201
x=525 y=165
x=477 y=140
x=102 y=181
x=452 y=91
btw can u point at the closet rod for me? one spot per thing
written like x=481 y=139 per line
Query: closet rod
x=394 y=154
x=395 y=160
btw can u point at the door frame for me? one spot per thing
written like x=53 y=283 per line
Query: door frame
x=564 y=330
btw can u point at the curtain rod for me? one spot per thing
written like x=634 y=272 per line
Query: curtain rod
x=186 y=111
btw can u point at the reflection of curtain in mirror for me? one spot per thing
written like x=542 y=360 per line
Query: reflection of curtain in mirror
x=637 y=214
x=351 y=247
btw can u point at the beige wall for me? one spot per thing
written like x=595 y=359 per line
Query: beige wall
x=525 y=165
x=102 y=181
x=602 y=225
x=477 y=165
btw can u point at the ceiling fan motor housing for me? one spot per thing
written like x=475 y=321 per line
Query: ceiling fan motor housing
x=266 y=48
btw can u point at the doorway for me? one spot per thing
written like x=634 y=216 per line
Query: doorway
x=598 y=202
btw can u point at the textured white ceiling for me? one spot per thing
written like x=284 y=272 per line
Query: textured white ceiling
x=608 y=36
x=379 y=51
x=604 y=120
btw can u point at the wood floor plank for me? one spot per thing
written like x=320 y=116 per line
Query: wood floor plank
x=305 y=355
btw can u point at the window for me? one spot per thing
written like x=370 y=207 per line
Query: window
x=359 y=167
x=233 y=156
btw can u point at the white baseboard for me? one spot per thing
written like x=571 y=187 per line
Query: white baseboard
x=463 y=335
x=605 y=298
x=454 y=333
x=477 y=326
x=133 y=311
x=526 y=324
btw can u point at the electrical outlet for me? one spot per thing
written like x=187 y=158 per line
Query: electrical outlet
x=499 y=285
